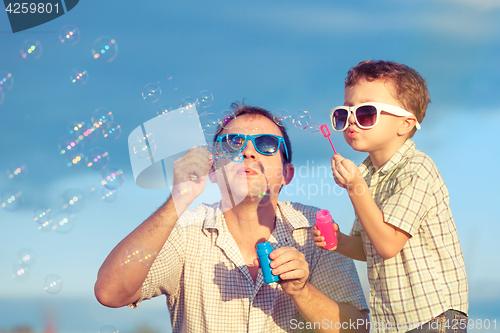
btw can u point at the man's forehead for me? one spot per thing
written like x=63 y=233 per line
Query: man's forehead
x=251 y=123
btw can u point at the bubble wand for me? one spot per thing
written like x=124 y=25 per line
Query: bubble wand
x=327 y=135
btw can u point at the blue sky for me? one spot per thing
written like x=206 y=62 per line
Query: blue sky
x=280 y=55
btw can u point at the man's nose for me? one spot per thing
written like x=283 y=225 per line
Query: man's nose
x=249 y=151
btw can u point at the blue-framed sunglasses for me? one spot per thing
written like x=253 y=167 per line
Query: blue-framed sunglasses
x=233 y=143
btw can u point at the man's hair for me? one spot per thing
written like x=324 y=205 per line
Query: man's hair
x=239 y=109
x=410 y=88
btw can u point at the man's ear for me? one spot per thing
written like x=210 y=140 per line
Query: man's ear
x=407 y=124
x=288 y=172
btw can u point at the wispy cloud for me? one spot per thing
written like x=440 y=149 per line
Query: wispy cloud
x=453 y=20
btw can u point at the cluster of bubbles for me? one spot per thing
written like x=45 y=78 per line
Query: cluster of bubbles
x=301 y=119
x=11 y=199
x=144 y=146
x=136 y=253
x=77 y=146
x=21 y=271
x=104 y=49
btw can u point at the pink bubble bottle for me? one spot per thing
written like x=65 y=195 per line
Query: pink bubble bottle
x=324 y=223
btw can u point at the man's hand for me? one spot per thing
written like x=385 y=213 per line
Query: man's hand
x=347 y=175
x=190 y=175
x=292 y=268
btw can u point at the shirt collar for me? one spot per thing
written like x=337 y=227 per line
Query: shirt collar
x=403 y=151
x=286 y=216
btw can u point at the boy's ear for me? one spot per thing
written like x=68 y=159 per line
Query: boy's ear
x=407 y=125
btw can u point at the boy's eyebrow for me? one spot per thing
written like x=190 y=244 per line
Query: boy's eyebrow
x=362 y=101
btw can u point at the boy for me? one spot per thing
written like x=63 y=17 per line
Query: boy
x=404 y=227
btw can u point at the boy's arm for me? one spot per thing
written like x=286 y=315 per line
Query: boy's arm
x=349 y=246
x=387 y=239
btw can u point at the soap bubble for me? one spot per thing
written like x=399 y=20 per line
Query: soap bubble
x=225 y=117
x=11 y=200
x=113 y=132
x=31 y=49
x=205 y=99
x=148 y=256
x=151 y=92
x=282 y=118
x=135 y=251
x=46 y=226
x=108 y=195
x=163 y=111
x=79 y=76
x=72 y=201
x=301 y=118
x=97 y=158
x=102 y=118
x=126 y=261
x=20 y=272
x=144 y=146
x=26 y=256
x=105 y=49
x=17 y=171
x=42 y=215
x=53 y=284
x=6 y=81
x=69 y=34
x=255 y=127
x=70 y=145
x=188 y=106
x=312 y=127
x=63 y=222
x=209 y=123
x=112 y=178
x=108 y=329
x=77 y=162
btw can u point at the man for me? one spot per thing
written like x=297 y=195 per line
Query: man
x=207 y=263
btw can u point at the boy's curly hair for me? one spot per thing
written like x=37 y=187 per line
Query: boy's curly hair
x=410 y=88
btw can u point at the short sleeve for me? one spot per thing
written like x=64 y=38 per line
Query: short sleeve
x=335 y=276
x=356 y=228
x=408 y=205
x=165 y=273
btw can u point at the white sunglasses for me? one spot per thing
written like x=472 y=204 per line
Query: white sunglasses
x=365 y=114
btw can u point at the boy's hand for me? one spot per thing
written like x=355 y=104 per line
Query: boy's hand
x=345 y=173
x=319 y=241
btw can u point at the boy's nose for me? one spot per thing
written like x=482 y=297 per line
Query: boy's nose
x=351 y=119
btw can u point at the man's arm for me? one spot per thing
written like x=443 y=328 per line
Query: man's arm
x=316 y=307
x=116 y=286
x=293 y=270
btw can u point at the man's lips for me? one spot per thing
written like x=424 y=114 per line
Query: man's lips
x=248 y=171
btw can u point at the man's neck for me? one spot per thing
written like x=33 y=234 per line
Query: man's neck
x=250 y=222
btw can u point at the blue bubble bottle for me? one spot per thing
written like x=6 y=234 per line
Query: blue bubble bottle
x=263 y=251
